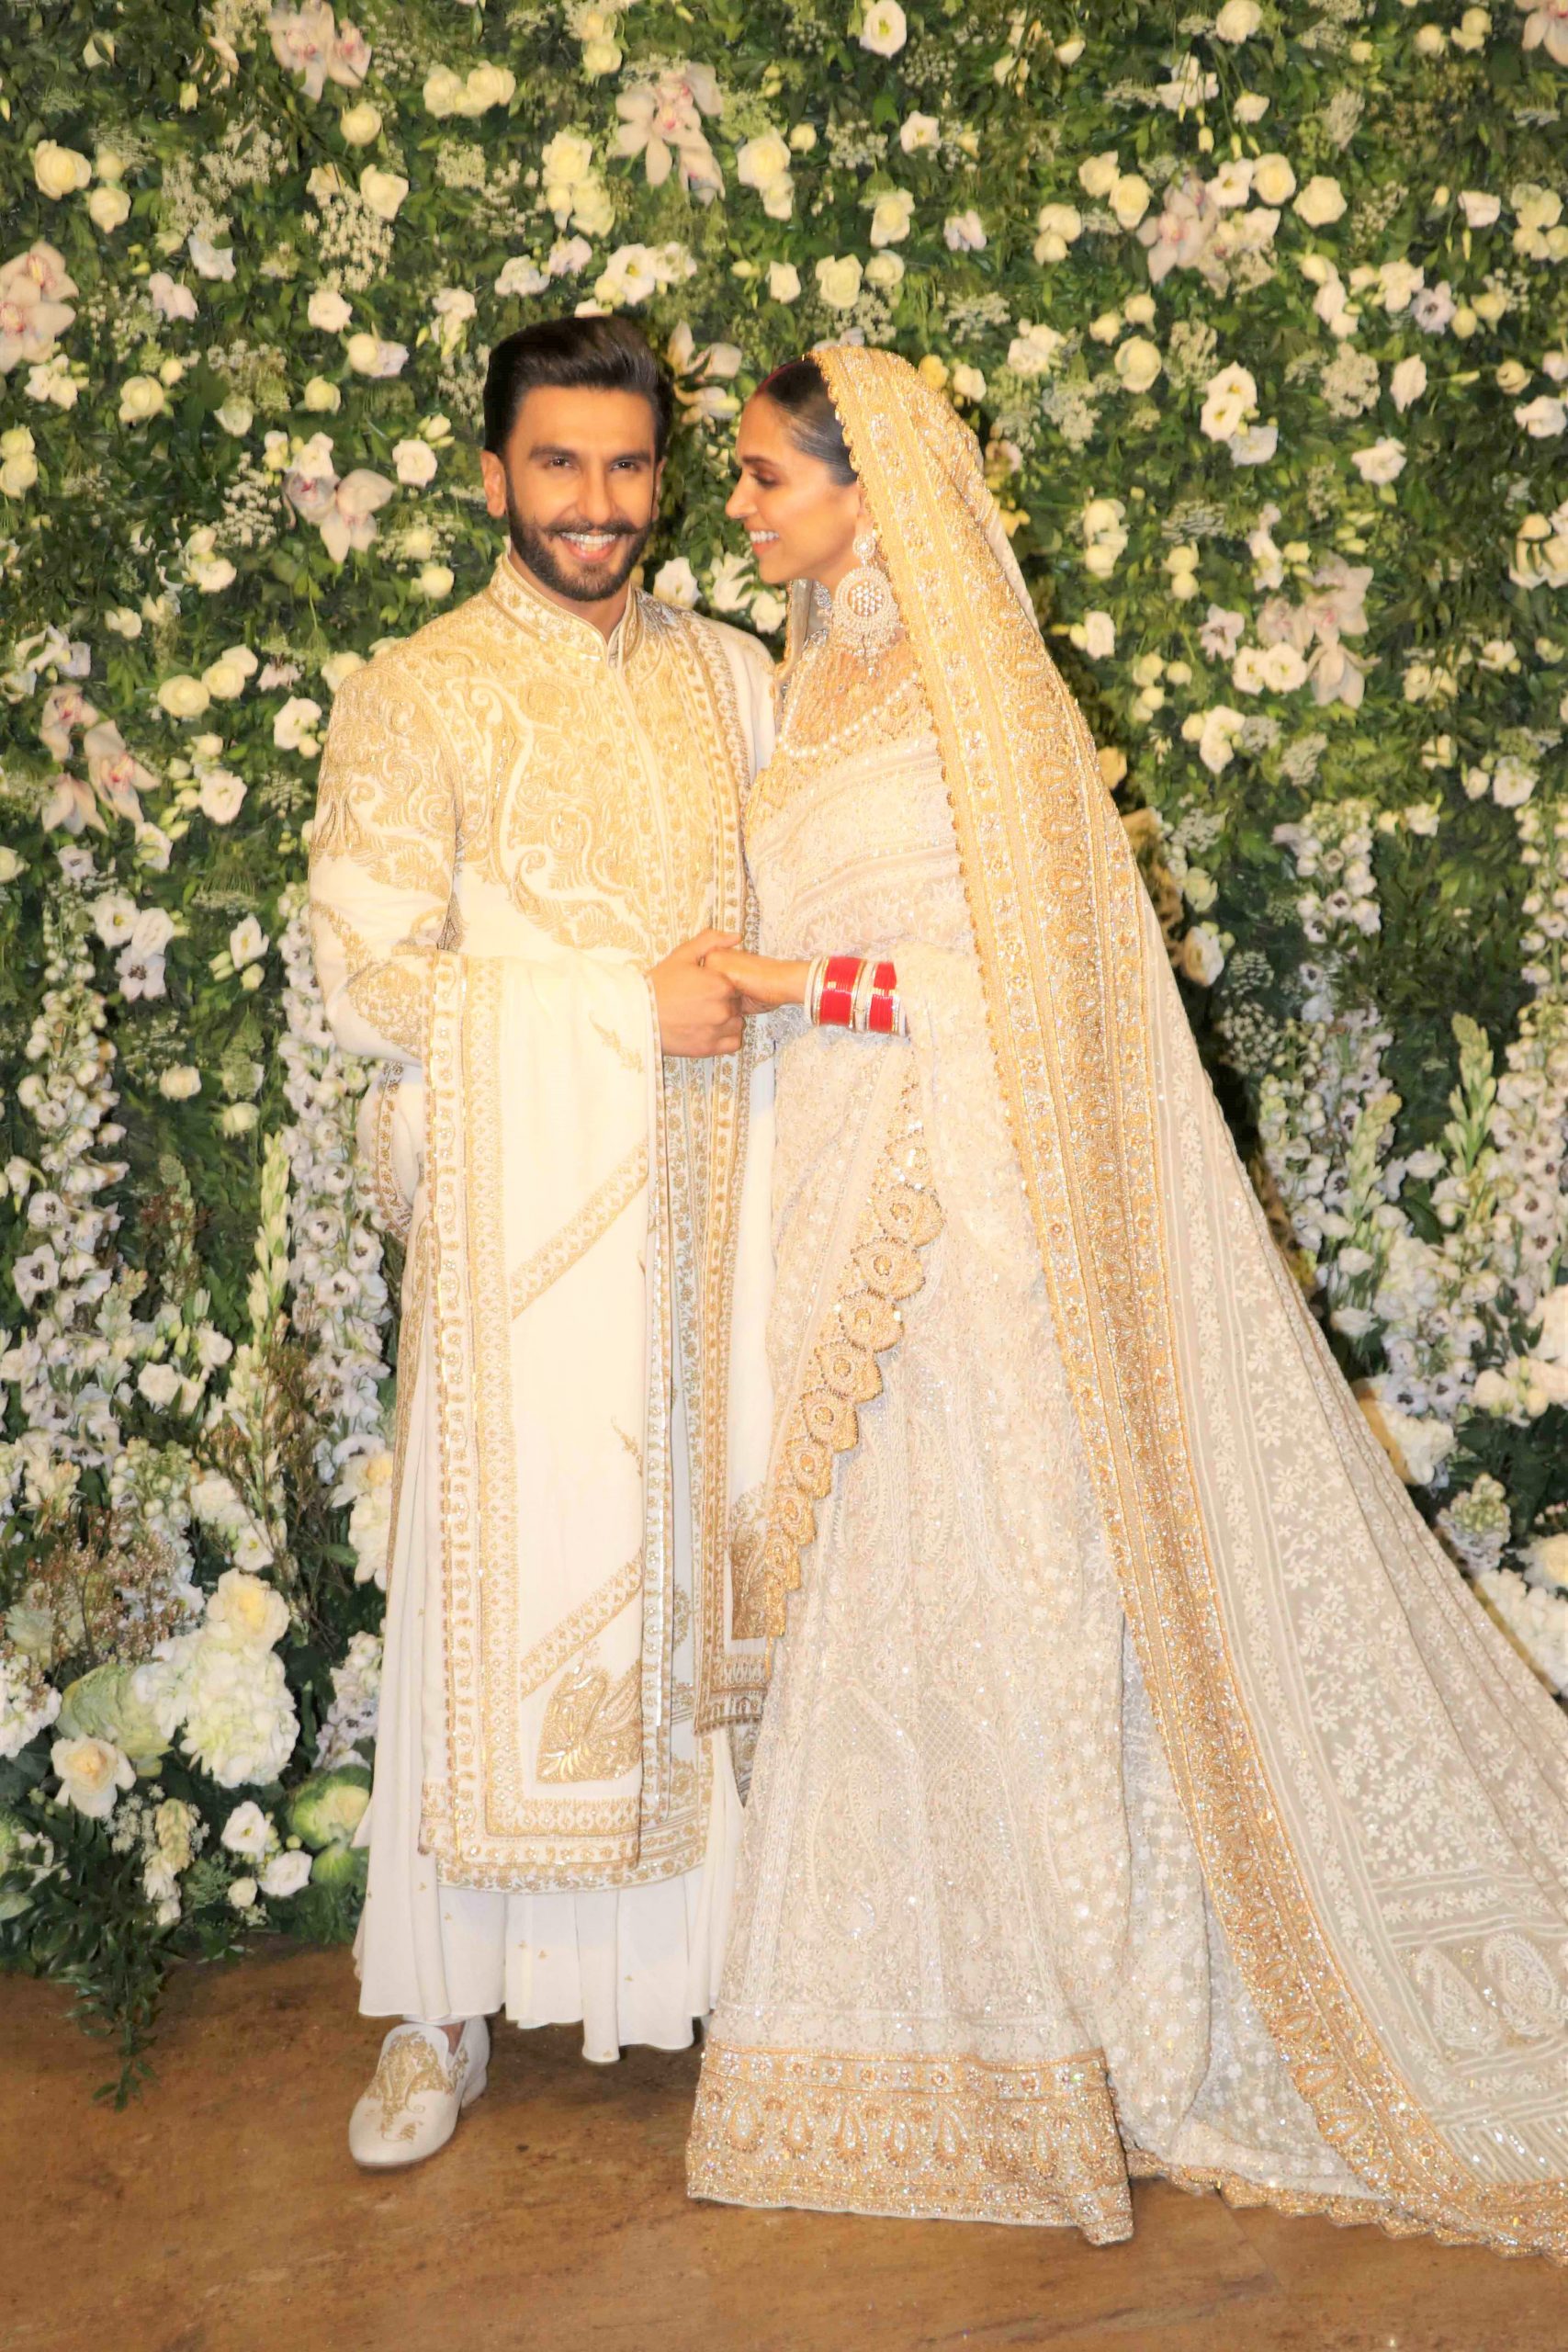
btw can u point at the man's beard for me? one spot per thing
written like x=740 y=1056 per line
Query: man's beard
x=535 y=548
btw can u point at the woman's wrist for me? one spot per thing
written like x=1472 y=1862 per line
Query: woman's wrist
x=857 y=993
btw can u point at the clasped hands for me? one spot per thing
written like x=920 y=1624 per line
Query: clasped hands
x=706 y=988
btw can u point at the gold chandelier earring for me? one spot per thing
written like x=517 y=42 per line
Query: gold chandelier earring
x=866 y=611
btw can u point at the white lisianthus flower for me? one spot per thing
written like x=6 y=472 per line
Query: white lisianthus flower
x=1407 y=382
x=1099 y=635
x=1251 y=106
x=247 y=1830
x=1060 y=225
x=58 y=170
x=729 y=584
x=285 y=1875
x=883 y=28
x=1283 y=669
x=108 y=209
x=247 y=943
x=242 y=1893
x=1321 y=201
x=1229 y=397
x=963 y=232
x=209 y=260
x=414 y=463
x=435 y=581
x=919 y=132
x=523 y=277
x=1203 y=957
x=1137 y=363
x=783 y=281
x=159 y=1384
x=140 y=399
x=371 y=355
x=329 y=310
x=93 y=1773
x=1384 y=462
x=222 y=796
x=1215 y=733
x=339 y=666
x=839 y=278
x=1542 y=418
x=295 y=724
x=768 y=611
x=891 y=215
x=382 y=191
x=1034 y=350
x=19 y=466
x=179 y=1084
x=361 y=125
x=1237 y=21
x=629 y=276
x=1481 y=209
x=1273 y=180
x=764 y=164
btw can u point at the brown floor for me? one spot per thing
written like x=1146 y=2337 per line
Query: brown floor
x=222 y=2214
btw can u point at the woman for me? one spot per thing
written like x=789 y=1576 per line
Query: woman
x=1140 y=1790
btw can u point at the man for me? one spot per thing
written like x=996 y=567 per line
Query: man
x=526 y=838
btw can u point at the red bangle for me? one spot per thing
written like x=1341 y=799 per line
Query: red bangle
x=881 y=1012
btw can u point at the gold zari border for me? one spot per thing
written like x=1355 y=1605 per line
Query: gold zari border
x=937 y=2139
x=1054 y=892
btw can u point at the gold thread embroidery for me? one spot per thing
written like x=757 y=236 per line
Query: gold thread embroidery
x=409 y=2066
x=901 y=1216
x=599 y=1212
x=584 y=1624
x=629 y=1057
x=393 y=1214
x=943 y=2137
x=593 y=1727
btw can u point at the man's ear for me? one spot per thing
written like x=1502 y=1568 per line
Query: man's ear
x=493 y=474
x=658 y=483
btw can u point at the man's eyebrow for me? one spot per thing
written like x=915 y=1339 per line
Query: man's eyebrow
x=561 y=449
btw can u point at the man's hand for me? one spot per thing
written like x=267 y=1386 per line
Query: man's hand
x=699 y=1009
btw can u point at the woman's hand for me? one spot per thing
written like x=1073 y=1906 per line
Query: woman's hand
x=764 y=983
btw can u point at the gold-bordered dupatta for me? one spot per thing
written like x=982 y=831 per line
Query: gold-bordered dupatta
x=1070 y=982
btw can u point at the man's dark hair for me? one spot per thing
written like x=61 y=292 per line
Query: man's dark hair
x=593 y=354
x=800 y=389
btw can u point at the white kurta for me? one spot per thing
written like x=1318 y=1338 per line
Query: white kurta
x=518 y=819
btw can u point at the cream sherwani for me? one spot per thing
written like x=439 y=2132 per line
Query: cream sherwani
x=518 y=817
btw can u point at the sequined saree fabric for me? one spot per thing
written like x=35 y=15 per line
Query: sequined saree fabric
x=1141 y=1789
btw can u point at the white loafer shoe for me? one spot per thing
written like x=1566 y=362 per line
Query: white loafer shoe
x=419 y=2089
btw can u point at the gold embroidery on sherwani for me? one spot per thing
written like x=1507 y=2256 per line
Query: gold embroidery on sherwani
x=389 y=992
x=593 y=1728
x=1068 y=997
x=954 y=2138
x=393 y=1214
x=598 y=1211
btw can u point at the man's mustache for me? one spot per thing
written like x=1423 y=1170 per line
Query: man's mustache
x=597 y=530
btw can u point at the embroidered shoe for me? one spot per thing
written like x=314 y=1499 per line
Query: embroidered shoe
x=419 y=2088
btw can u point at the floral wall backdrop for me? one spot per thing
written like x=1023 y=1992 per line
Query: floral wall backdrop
x=1260 y=317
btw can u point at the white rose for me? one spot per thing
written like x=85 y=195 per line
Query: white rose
x=10 y=865
x=382 y=191
x=1097 y=174
x=884 y=29
x=329 y=310
x=769 y=612
x=322 y=398
x=435 y=581
x=184 y=697
x=372 y=355
x=414 y=463
x=1033 y=351
x=1129 y=196
x=140 y=397
x=1238 y=20
x=242 y=1893
x=1099 y=636
x=783 y=281
x=247 y=1830
x=1273 y=181
x=1407 y=383
x=108 y=209
x=179 y=1084
x=1228 y=398
x=92 y=1774
x=361 y=124
x=339 y=666
x=1321 y=201
x=920 y=132
x=891 y=216
x=885 y=271
x=1283 y=669
x=58 y=170
x=285 y=1875
x=968 y=383
x=839 y=280
x=1542 y=418
x=159 y=1383
x=1137 y=362
x=243 y=1608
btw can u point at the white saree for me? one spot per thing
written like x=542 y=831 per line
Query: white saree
x=517 y=820
x=1141 y=1789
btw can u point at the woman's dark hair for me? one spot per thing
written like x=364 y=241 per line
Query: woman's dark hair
x=592 y=354
x=800 y=388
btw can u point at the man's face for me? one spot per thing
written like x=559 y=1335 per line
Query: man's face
x=579 y=487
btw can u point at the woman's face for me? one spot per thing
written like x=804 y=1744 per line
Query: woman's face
x=801 y=523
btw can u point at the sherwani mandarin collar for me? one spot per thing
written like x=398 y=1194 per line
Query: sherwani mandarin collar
x=569 y=635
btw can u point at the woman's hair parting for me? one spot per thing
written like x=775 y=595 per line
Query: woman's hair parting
x=800 y=389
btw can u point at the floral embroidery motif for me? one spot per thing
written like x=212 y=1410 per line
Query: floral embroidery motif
x=411 y=2065
x=593 y=1728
